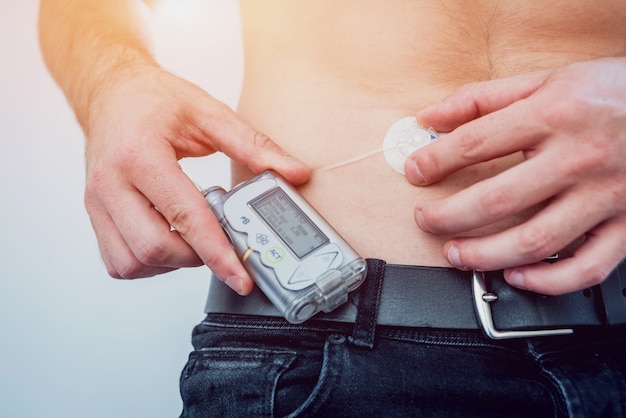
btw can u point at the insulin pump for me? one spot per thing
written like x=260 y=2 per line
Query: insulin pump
x=294 y=256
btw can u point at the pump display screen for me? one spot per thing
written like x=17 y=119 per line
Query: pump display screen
x=288 y=221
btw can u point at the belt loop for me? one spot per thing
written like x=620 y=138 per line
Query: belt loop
x=369 y=302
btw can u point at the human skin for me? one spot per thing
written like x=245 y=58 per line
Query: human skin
x=533 y=162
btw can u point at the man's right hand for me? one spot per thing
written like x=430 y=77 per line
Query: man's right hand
x=148 y=216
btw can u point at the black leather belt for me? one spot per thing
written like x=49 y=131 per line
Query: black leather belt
x=433 y=297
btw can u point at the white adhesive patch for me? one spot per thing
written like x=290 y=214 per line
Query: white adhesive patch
x=402 y=139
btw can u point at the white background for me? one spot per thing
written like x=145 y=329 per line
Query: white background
x=74 y=342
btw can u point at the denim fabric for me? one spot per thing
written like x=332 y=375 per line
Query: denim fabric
x=252 y=366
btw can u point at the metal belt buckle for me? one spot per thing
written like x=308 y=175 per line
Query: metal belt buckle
x=482 y=300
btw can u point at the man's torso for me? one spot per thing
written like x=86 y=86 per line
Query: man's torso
x=326 y=79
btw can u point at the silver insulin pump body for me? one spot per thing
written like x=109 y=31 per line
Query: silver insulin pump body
x=295 y=257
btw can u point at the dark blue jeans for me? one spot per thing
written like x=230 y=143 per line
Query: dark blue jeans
x=254 y=366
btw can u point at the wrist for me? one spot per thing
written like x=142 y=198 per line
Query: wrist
x=114 y=73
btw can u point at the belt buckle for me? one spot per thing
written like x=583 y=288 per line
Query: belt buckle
x=482 y=300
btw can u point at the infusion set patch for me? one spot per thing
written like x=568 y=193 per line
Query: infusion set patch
x=403 y=138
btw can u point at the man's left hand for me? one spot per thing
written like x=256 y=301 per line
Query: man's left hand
x=569 y=124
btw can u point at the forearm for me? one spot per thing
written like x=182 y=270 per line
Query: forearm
x=87 y=43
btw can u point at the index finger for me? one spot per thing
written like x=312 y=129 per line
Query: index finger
x=239 y=141
x=514 y=128
x=475 y=100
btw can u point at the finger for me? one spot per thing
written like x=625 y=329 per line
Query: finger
x=494 y=199
x=566 y=218
x=147 y=232
x=478 y=99
x=515 y=128
x=119 y=260
x=244 y=144
x=144 y=230
x=185 y=209
x=602 y=251
x=121 y=263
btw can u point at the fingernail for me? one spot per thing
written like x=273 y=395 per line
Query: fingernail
x=419 y=218
x=516 y=279
x=454 y=257
x=413 y=173
x=235 y=283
